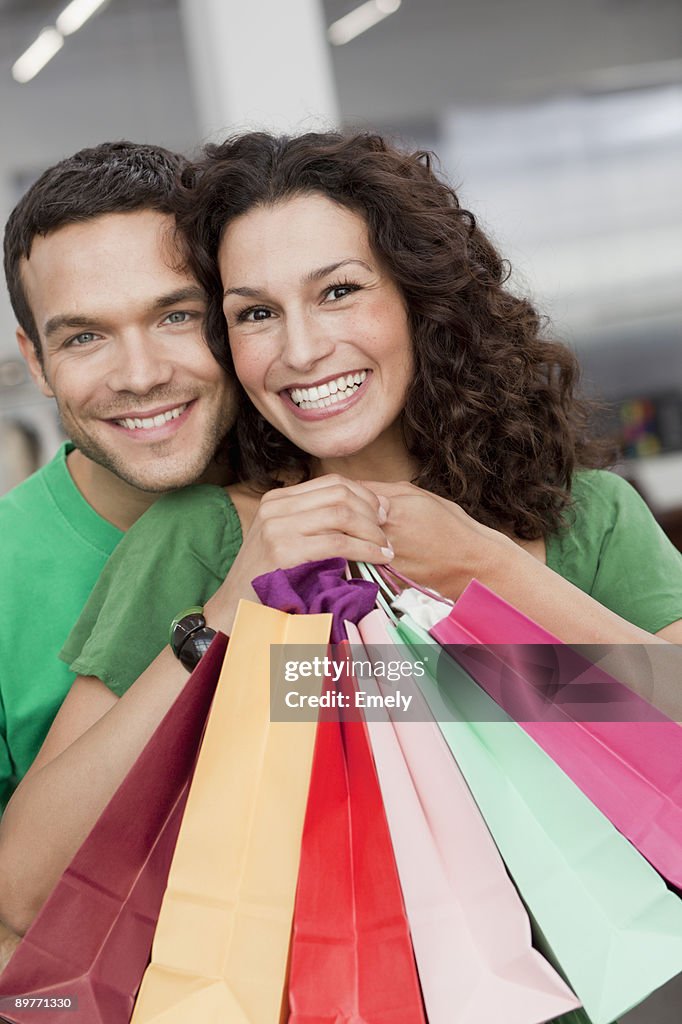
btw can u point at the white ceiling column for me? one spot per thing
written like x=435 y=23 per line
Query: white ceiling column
x=256 y=64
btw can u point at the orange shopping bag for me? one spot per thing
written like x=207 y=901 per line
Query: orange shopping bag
x=222 y=941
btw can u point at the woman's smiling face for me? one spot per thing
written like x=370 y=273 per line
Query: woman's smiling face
x=318 y=329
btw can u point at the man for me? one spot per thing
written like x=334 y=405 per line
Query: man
x=110 y=326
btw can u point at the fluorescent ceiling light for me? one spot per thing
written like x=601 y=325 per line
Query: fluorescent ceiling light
x=34 y=59
x=359 y=20
x=76 y=14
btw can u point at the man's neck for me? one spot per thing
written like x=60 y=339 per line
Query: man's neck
x=112 y=498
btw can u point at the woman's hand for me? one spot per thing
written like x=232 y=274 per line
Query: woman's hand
x=437 y=544
x=329 y=517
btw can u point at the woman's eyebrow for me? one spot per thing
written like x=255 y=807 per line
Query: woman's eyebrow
x=248 y=293
x=313 y=275
x=317 y=275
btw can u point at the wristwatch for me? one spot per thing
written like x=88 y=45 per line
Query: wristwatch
x=190 y=637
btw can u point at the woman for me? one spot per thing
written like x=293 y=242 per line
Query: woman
x=371 y=331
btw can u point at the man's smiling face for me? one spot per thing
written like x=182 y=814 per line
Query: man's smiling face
x=123 y=354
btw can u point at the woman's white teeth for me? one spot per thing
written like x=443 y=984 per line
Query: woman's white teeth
x=153 y=421
x=324 y=395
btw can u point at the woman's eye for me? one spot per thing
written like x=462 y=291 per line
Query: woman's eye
x=256 y=314
x=340 y=291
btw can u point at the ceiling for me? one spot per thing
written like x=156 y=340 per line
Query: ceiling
x=465 y=51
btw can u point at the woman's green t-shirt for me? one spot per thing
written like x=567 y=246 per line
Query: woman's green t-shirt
x=179 y=552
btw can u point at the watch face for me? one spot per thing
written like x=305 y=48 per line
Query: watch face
x=195 y=647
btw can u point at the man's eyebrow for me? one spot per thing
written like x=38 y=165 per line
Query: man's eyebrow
x=313 y=275
x=57 y=323
x=192 y=293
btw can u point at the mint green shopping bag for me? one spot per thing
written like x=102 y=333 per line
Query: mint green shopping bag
x=603 y=915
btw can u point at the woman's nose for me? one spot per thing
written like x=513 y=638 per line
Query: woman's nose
x=305 y=343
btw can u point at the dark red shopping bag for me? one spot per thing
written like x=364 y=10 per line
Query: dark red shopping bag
x=90 y=943
x=351 y=953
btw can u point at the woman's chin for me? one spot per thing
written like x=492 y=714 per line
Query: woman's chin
x=334 y=452
x=364 y=449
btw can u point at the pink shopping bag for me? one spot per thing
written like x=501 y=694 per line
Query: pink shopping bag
x=630 y=769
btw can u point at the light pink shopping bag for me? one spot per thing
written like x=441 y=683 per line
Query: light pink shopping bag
x=470 y=931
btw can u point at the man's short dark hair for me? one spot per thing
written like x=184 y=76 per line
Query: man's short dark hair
x=115 y=177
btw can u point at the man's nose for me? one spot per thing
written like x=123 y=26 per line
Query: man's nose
x=142 y=363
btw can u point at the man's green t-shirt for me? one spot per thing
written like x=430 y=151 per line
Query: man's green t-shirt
x=53 y=546
x=179 y=552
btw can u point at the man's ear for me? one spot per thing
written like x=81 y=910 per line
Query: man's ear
x=27 y=349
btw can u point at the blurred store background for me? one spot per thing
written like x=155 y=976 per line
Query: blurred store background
x=561 y=123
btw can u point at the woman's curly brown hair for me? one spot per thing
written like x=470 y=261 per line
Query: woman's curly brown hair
x=492 y=417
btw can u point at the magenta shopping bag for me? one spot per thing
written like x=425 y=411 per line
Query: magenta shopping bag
x=631 y=768
x=88 y=948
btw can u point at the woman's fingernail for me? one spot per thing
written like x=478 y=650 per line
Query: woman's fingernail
x=382 y=516
x=387 y=552
x=383 y=508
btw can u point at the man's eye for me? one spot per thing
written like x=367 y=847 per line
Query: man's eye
x=81 y=339
x=178 y=317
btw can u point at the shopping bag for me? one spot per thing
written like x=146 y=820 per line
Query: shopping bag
x=351 y=953
x=470 y=931
x=221 y=945
x=603 y=914
x=89 y=945
x=624 y=754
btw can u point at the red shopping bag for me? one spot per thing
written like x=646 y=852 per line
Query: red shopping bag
x=351 y=954
x=90 y=944
x=630 y=769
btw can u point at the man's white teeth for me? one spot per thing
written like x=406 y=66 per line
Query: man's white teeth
x=328 y=394
x=153 y=421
